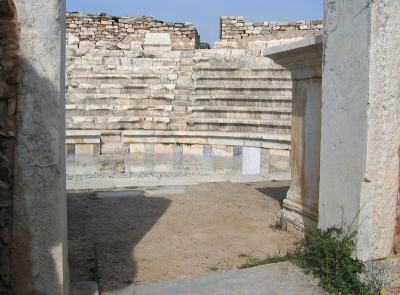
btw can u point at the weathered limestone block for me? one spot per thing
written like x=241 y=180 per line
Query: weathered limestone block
x=251 y=161
x=157 y=44
x=361 y=122
x=40 y=234
x=246 y=32
x=304 y=60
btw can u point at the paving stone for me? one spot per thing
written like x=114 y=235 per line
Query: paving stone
x=273 y=279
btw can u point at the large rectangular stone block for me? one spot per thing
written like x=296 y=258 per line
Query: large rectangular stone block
x=360 y=122
x=251 y=161
x=40 y=264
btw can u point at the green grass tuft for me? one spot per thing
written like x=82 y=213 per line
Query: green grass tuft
x=328 y=255
x=257 y=262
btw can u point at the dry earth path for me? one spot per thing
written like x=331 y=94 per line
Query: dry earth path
x=158 y=234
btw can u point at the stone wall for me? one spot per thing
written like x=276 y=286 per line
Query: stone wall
x=236 y=30
x=122 y=97
x=8 y=99
x=126 y=29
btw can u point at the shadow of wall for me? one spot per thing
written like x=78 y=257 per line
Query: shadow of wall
x=32 y=122
x=103 y=233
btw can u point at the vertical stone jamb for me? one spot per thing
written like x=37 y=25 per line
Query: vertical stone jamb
x=40 y=237
x=304 y=60
x=361 y=121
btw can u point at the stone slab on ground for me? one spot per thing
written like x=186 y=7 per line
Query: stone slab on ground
x=90 y=184
x=100 y=184
x=273 y=279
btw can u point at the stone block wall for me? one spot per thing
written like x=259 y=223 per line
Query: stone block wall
x=237 y=30
x=8 y=99
x=119 y=97
x=101 y=27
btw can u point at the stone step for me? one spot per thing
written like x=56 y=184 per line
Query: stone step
x=243 y=91
x=203 y=79
x=177 y=113
x=180 y=92
x=184 y=96
x=236 y=109
x=183 y=103
x=104 y=98
x=184 y=87
x=246 y=103
x=123 y=81
x=236 y=68
x=239 y=125
x=241 y=74
x=143 y=76
x=178 y=120
x=187 y=54
x=272 y=279
x=233 y=84
x=185 y=68
x=122 y=89
x=242 y=97
x=117 y=107
x=137 y=69
x=96 y=58
x=178 y=126
x=270 y=116
x=120 y=113
x=216 y=121
x=116 y=123
x=243 y=88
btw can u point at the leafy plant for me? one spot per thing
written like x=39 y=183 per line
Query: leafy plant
x=328 y=255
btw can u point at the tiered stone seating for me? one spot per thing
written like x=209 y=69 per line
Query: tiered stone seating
x=114 y=90
x=240 y=94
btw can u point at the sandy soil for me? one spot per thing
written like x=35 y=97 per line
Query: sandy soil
x=162 y=234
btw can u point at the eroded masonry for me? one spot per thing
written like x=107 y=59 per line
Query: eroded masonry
x=134 y=94
x=141 y=95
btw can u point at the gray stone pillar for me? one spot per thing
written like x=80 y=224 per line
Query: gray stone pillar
x=40 y=229
x=304 y=60
x=361 y=121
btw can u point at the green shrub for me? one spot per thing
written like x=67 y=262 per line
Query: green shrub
x=328 y=255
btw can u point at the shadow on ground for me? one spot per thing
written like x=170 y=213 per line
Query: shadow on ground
x=277 y=193
x=95 y=224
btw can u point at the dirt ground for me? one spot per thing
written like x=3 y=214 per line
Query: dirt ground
x=158 y=234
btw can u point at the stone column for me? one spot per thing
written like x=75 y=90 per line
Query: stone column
x=361 y=121
x=39 y=261
x=304 y=60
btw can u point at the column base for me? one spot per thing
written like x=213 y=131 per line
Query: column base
x=298 y=217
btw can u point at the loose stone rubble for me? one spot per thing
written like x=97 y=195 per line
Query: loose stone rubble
x=237 y=32
x=102 y=27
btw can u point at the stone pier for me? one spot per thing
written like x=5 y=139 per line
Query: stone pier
x=39 y=252
x=361 y=122
x=304 y=60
